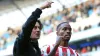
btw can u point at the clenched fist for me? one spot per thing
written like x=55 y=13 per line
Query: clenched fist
x=46 y=5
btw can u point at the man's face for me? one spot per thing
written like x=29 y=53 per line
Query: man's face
x=65 y=31
x=36 y=31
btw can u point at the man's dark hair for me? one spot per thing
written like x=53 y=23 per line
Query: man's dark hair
x=36 y=46
x=41 y=26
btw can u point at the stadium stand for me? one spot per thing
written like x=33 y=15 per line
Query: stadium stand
x=83 y=16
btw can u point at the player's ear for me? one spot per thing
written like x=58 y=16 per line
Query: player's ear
x=57 y=32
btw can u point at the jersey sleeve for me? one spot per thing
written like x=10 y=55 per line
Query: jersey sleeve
x=45 y=50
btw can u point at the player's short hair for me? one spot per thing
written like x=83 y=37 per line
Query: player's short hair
x=60 y=25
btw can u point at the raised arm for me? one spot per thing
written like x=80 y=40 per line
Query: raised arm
x=22 y=41
x=29 y=24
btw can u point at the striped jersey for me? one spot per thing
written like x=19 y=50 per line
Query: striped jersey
x=61 y=51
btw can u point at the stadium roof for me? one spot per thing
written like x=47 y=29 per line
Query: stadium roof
x=9 y=5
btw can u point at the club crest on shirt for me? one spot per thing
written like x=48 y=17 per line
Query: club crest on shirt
x=64 y=54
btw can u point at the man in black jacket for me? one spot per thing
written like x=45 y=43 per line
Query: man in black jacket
x=26 y=44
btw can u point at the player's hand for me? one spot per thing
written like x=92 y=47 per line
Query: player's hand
x=46 y=5
x=58 y=40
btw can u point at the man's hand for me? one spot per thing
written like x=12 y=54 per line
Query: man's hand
x=46 y=5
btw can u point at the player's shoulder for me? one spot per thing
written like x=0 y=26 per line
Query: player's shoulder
x=45 y=46
x=48 y=45
x=74 y=51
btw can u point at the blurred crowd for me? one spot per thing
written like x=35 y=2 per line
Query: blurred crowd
x=87 y=48
x=72 y=14
x=8 y=37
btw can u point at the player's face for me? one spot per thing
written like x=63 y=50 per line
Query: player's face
x=65 y=31
x=36 y=31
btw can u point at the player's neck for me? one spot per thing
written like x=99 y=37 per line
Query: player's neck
x=64 y=44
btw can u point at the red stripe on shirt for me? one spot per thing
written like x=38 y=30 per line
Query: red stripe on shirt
x=57 y=53
x=64 y=51
x=48 y=50
x=71 y=51
x=76 y=53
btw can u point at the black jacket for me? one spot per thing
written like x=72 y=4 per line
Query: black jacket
x=23 y=45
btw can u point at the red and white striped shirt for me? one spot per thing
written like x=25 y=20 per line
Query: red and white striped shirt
x=61 y=51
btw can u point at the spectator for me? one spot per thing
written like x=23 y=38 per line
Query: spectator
x=27 y=42
x=6 y=36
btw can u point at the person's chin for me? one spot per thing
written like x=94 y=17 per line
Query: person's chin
x=66 y=39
